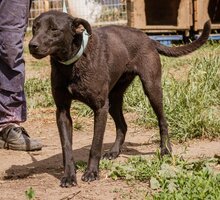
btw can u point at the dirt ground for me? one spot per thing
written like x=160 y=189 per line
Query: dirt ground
x=42 y=170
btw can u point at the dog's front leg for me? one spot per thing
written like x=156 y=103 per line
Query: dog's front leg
x=100 y=118
x=64 y=123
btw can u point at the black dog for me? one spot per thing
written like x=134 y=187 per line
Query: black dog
x=96 y=67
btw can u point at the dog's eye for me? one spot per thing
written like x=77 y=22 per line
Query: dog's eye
x=52 y=28
x=35 y=27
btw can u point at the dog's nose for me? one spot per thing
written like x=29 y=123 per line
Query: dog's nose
x=33 y=46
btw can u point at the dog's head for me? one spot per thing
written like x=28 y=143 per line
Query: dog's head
x=58 y=34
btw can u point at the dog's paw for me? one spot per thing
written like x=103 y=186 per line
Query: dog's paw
x=166 y=151
x=110 y=155
x=68 y=181
x=89 y=176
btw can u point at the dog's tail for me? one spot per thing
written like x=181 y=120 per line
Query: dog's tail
x=186 y=49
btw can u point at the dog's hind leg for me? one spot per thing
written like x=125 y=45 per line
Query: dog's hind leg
x=150 y=76
x=116 y=101
x=115 y=110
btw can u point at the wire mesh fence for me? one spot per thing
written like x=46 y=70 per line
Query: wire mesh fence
x=97 y=12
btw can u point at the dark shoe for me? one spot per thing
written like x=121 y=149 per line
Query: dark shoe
x=15 y=137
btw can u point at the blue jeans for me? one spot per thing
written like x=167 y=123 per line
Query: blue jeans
x=13 y=23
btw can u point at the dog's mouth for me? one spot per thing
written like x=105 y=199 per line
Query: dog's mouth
x=38 y=56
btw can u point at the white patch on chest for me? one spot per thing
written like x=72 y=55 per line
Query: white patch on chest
x=69 y=89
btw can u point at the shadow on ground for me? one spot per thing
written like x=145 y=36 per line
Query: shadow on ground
x=53 y=165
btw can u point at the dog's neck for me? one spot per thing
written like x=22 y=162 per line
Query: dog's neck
x=75 y=57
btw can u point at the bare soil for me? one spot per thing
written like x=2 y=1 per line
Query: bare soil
x=42 y=170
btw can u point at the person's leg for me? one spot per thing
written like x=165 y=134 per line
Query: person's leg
x=13 y=23
x=12 y=107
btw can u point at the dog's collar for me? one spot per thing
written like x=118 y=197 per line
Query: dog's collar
x=81 y=50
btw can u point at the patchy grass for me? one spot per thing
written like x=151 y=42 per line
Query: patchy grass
x=169 y=177
x=38 y=93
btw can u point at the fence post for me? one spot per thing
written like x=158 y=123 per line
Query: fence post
x=46 y=5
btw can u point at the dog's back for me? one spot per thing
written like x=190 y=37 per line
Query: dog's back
x=134 y=39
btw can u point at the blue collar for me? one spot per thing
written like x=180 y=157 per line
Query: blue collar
x=81 y=50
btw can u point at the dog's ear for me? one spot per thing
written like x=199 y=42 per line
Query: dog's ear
x=80 y=25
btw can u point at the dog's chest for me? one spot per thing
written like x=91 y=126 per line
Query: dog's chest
x=81 y=89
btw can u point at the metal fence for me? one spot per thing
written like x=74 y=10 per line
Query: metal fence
x=97 y=12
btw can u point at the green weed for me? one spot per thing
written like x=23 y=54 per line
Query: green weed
x=81 y=109
x=191 y=106
x=169 y=178
x=81 y=165
x=38 y=93
x=30 y=193
x=174 y=182
x=77 y=125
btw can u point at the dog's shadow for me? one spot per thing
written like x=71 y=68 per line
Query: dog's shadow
x=53 y=165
